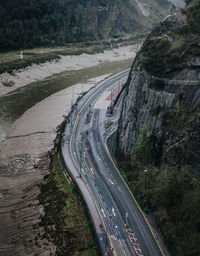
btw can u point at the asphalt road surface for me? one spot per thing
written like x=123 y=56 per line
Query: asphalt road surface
x=126 y=229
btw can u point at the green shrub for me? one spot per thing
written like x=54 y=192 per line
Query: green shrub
x=141 y=147
x=157 y=84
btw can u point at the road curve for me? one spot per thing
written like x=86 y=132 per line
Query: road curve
x=125 y=228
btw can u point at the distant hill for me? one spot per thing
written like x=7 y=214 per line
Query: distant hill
x=29 y=23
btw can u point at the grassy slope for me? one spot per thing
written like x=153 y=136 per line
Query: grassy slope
x=65 y=221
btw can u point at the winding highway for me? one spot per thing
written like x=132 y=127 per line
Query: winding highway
x=125 y=230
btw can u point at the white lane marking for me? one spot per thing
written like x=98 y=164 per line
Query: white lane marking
x=105 y=206
x=103 y=212
x=122 y=246
x=83 y=171
x=108 y=170
x=75 y=154
x=113 y=237
x=113 y=211
x=99 y=158
x=119 y=189
x=111 y=181
x=86 y=165
x=91 y=169
x=128 y=204
x=117 y=231
x=111 y=176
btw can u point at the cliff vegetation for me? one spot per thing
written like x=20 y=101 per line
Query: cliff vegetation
x=162 y=55
x=159 y=129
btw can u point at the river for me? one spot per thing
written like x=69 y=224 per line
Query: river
x=14 y=104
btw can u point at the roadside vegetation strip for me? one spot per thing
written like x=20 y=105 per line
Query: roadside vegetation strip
x=65 y=220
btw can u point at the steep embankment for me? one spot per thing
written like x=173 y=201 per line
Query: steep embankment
x=159 y=128
x=26 y=23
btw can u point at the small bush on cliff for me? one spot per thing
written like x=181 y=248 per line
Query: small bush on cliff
x=193 y=16
x=157 y=84
x=141 y=147
x=154 y=56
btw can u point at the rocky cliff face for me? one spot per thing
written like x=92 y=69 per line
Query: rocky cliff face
x=159 y=129
x=163 y=93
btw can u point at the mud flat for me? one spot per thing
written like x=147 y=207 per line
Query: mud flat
x=24 y=161
x=25 y=154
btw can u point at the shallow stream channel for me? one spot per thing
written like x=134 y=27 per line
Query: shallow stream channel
x=14 y=104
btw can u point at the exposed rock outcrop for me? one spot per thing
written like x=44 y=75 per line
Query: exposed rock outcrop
x=159 y=129
x=163 y=93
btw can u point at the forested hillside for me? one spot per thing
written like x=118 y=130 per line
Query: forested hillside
x=29 y=23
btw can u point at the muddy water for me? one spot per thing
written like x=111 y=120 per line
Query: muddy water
x=17 y=102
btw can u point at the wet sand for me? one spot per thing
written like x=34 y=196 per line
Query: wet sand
x=25 y=158
x=14 y=104
x=35 y=131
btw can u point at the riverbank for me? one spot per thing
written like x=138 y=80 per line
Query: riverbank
x=38 y=72
x=26 y=152
x=25 y=161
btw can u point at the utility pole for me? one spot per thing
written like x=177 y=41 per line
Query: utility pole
x=73 y=93
x=111 y=105
x=80 y=159
x=21 y=55
x=72 y=104
x=145 y=183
